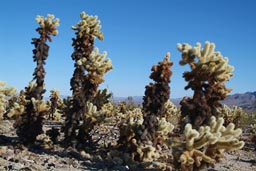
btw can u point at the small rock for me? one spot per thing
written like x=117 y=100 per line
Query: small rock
x=29 y=161
x=75 y=164
x=16 y=166
x=9 y=154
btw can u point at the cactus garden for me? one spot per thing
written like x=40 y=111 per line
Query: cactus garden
x=88 y=130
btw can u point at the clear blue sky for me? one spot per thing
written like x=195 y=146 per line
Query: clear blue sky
x=138 y=33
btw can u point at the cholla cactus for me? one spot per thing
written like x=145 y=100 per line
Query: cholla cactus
x=29 y=124
x=128 y=130
x=163 y=130
x=172 y=113
x=207 y=146
x=102 y=97
x=108 y=108
x=143 y=135
x=232 y=115
x=89 y=25
x=96 y=66
x=55 y=102
x=90 y=67
x=156 y=95
x=90 y=119
x=5 y=93
x=29 y=112
x=18 y=107
x=209 y=71
x=47 y=26
x=146 y=154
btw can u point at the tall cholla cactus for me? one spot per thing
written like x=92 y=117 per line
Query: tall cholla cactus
x=5 y=92
x=47 y=28
x=156 y=95
x=209 y=71
x=29 y=124
x=90 y=68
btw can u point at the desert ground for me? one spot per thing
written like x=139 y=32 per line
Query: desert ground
x=14 y=156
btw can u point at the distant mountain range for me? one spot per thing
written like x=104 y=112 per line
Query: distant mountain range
x=247 y=100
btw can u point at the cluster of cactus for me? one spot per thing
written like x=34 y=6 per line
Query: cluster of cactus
x=209 y=71
x=232 y=115
x=29 y=123
x=144 y=137
x=90 y=68
x=156 y=95
x=145 y=134
x=5 y=94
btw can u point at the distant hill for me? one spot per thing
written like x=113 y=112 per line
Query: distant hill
x=247 y=100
